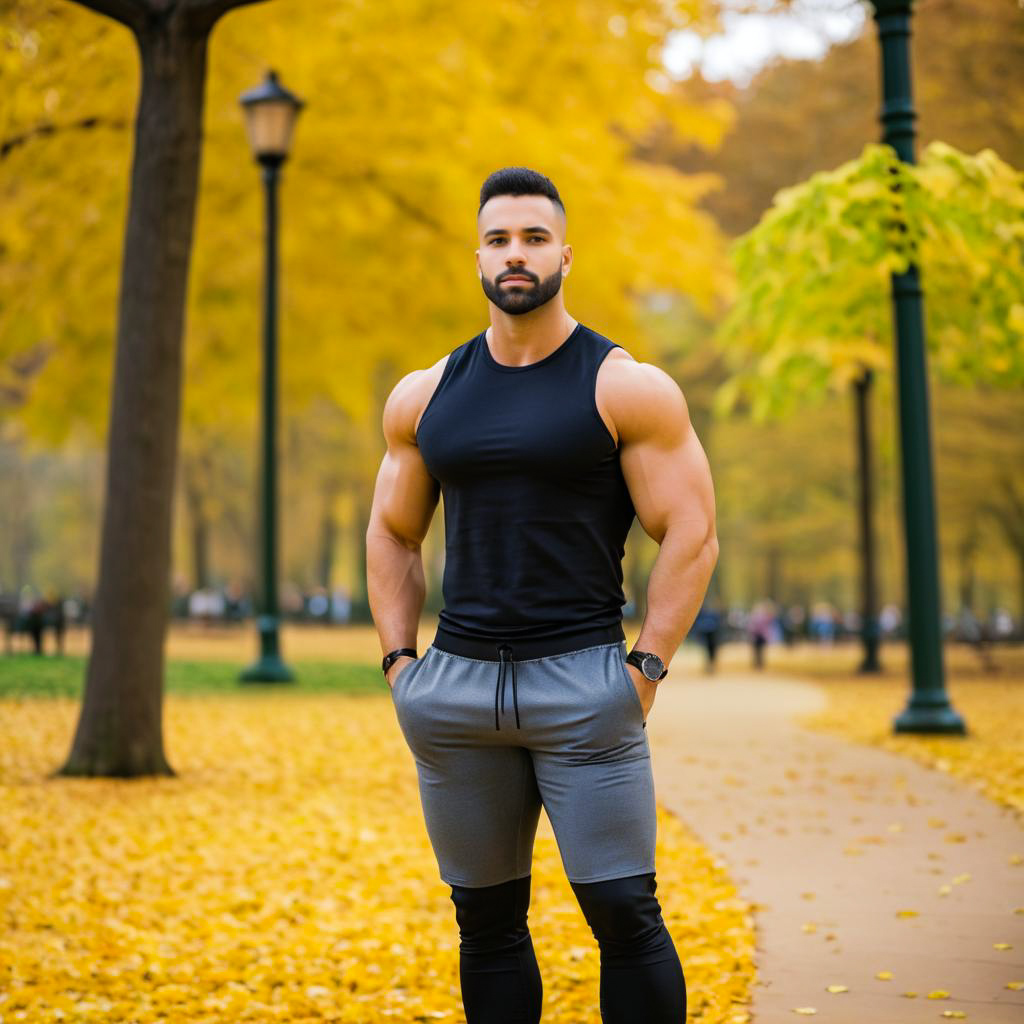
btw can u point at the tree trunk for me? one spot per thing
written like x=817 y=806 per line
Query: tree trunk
x=119 y=731
x=868 y=576
x=200 y=529
x=968 y=546
x=773 y=574
x=328 y=539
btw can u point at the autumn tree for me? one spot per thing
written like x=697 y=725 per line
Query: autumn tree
x=119 y=730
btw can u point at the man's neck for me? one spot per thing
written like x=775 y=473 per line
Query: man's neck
x=519 y=340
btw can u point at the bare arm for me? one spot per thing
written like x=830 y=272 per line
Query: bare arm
x=669 y=480
x=404 y=498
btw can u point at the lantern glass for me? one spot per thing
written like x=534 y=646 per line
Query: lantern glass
x=269 y=126
x=270 y=114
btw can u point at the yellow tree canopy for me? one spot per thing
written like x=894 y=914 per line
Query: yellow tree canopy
x=409 y=106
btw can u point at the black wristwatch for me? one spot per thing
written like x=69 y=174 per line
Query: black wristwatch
x=651 y=665
x=392 y=656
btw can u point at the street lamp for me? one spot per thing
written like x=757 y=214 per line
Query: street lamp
x=929 y=709
x=270 y=114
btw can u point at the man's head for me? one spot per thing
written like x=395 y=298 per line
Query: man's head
x=521 y=224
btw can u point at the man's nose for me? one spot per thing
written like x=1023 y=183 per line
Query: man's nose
x=515 y=256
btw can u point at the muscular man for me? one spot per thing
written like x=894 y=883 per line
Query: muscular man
x=545 y=440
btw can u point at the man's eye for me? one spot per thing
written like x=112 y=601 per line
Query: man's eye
x=495 y=241
x=537 y=238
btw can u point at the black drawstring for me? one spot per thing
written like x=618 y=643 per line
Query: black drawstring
x=499 y=688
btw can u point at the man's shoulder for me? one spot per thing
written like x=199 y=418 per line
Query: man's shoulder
x=411 y=394
x=614 y=349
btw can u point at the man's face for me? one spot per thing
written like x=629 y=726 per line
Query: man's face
x=522 y=256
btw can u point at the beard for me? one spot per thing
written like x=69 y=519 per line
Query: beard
x=522 y=298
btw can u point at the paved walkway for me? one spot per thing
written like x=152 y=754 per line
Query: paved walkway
x=833 y=841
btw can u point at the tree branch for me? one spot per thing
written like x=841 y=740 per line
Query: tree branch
x=127 y=12
x=13 y=141
x=206 y=12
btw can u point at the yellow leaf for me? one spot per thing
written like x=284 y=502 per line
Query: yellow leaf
x=806 y=1011
x=938 y=993
x=884 y=975
x=836 y=988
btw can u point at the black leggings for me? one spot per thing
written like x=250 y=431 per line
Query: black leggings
x=641 y=977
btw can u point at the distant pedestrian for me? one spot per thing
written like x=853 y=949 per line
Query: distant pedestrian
x=759 y=628
x=706 y=626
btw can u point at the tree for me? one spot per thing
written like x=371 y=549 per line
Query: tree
x=811 y=316
x=119 y=730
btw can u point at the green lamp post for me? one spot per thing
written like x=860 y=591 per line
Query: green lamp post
x=929 y=709
x=270 y=114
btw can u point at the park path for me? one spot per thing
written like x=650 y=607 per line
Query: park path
x=832 y=840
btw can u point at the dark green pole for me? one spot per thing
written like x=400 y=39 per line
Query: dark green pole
x=269 y=668
x=928 y=710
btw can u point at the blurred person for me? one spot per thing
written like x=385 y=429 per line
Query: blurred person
x=890 y=619
x=341 y=605
x=706 y=626
x=760 y=627
x=571 y=438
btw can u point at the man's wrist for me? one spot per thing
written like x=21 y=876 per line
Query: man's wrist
x=648 y=663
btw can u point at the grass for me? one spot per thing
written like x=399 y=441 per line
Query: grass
x=28 y=676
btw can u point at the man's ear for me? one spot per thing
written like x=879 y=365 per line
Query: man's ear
x=479 y=272
x=566 y=260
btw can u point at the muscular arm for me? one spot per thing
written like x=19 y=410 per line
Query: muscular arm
x=669 y=480
x=404 y=498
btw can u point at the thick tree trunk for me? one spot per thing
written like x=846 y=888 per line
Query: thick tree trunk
x=868 y=575
x=120 y=729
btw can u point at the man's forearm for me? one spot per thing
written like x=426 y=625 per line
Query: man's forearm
x=395 y=587
x=676 y=587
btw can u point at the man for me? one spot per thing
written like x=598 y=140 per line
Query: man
x=545 y=439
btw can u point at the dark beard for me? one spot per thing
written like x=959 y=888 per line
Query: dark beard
x=521 y=299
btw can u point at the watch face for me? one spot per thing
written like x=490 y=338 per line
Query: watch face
x=652 y=667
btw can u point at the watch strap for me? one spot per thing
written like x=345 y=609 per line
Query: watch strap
x=392 y=656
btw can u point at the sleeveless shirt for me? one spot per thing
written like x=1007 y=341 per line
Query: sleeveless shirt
x=536 y=509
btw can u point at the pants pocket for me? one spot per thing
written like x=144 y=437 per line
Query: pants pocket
x=402 y=676
x=619 y=654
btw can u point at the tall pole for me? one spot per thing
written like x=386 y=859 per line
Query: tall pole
x=269 y=668
x=866 y=507
x=929 y=709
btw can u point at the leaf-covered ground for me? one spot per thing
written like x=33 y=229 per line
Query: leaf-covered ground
x=990 y=757
x=284 y=875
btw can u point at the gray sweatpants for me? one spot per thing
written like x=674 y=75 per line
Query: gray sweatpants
x=580 y=748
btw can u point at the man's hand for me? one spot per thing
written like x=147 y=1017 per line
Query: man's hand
x=394 y=671
x=645 y=689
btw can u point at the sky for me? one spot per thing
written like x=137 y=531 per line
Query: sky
x=750 y=40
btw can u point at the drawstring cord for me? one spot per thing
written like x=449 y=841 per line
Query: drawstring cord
x=499 y=688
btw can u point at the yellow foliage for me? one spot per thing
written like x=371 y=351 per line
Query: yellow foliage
x=409 y=105
x=285 y=875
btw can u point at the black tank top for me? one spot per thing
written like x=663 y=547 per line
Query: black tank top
x=536 y=510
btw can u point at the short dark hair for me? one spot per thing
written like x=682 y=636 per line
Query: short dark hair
x=519 y=181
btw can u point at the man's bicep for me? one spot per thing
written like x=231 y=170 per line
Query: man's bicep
x=668 y=475
x=405 y=495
